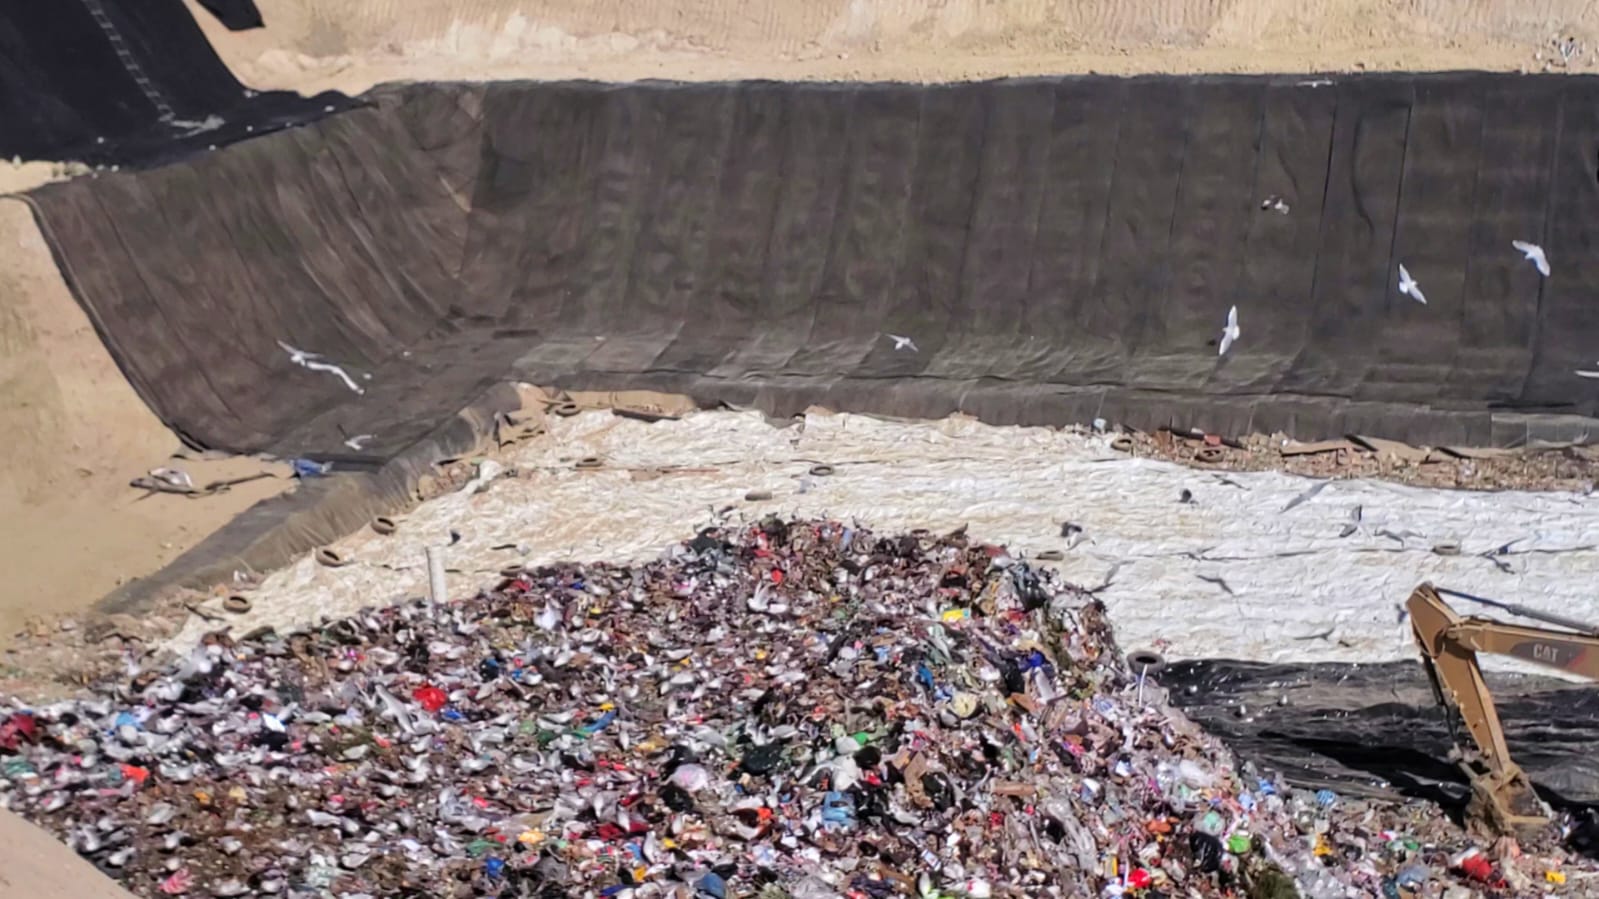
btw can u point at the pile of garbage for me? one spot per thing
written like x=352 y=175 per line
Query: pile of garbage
x=793 y=709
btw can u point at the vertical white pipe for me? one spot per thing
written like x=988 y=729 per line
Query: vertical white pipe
x=436 y=588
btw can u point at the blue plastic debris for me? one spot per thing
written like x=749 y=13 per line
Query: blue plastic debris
x=1411 y=877
x=711 y=886
x=305 y=468
x=1326 y=798
x=589 y=730
x=838 y=809
x=494 y=867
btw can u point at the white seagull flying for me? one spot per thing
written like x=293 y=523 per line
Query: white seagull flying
x=1409 y=287
x=1230 y=332
x=298 y=357
x=308 y=361
x=1534 y=254
x=1587 y=374
x=902 y=343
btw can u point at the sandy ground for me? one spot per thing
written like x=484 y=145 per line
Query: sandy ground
x=352 y=44
x=16 y=175
x=38 y=866
x=71 y=529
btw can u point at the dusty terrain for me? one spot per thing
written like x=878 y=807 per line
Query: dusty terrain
x=76 y=434
x=36 y=858
x=72 y=529
x=352 y=44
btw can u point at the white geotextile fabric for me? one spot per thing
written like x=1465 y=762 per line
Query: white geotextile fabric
x=1285 y=577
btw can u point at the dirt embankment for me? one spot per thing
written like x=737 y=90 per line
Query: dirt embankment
x=75 y=434
x=353 y=44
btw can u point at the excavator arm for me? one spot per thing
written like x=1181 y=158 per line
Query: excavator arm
x=1503 y=800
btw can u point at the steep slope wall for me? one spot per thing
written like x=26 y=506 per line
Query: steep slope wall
x=1059 y=250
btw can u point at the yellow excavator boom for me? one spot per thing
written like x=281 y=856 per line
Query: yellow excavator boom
x=1503 y=800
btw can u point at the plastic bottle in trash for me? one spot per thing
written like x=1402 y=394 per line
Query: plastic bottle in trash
x=811 y=888
x=1303 y=812
x=1166 y=779
x=1314 y=881
x=1412 y=877
x=1210 y=822
x=1194 y=776
x=1318 y=884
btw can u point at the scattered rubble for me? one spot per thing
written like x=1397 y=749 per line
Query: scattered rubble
x=791 y=709
x=1563 y=468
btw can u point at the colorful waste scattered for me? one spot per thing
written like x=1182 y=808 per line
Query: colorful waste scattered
x=798 y=710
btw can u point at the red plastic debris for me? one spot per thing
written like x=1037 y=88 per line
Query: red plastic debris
x=20 y=726
x=1139 y=879
x=178 y=883
x=431 y=697
x=777 y=575
x=135 y=773
x=1477 y=867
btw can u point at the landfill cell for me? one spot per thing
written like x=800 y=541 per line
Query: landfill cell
x=1054 y=251
x=791 y=709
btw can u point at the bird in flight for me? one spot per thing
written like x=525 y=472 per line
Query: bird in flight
x=358 y=442
x=308 y=361
x=298 y=357
x=1534 y=254
x=1230 y=332
x=1409 y=287
x=902 y=343
x=1587 y=374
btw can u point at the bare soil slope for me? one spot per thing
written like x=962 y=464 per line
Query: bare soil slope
x=37 y=865
x=353 y=44
x=75 y=433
